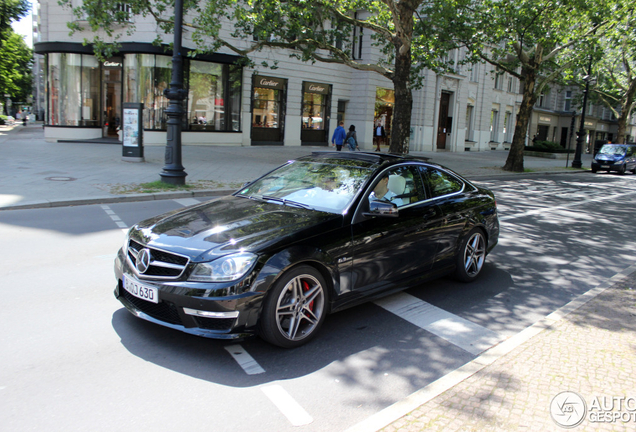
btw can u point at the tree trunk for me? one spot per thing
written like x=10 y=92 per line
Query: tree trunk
x=627 y=104
x=401 y=122
x=514 y=162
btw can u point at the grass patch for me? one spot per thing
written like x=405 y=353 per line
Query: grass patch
x=159 y=186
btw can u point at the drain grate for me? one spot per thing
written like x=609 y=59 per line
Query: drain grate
x=60 y=179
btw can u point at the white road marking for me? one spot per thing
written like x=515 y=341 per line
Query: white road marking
x=187 y=201
x=115 y=218
x=465 y=334
x=246 y=361
x=287 y=405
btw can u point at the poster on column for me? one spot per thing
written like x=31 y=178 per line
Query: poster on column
x=132 y=133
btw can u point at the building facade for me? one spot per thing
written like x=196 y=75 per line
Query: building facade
x=296 y=104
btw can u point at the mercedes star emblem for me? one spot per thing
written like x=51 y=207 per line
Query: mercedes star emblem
x=143 y=260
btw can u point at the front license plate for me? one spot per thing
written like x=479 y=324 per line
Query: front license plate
x=605 y=166
x=140 y=290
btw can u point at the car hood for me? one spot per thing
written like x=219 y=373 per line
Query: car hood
x=230 y=224
x=608 y=157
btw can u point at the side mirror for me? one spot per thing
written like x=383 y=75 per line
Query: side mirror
x=383 y=209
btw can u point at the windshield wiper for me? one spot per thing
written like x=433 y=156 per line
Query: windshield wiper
x=286 y=202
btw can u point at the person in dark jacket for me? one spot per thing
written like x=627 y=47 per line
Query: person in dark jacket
x=352 y=134
x=378 y=136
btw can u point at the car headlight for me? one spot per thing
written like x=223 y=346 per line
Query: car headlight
x=124 y=247
x=619 y=162
x=228 y=268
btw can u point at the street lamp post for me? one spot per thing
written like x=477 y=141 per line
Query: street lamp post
x=576 y=162
x=173 y=172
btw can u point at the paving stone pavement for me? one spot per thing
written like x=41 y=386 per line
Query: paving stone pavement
x=591 y=351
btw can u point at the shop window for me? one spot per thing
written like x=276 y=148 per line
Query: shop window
x=266 y=112
x=146 y=76
x=313 y=111
x=206 y=103
x=73 y=81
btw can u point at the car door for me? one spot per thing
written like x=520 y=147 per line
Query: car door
x=388 y=251
x=451 y=195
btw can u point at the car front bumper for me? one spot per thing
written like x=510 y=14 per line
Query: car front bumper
x=187 y=306
x=608 y=166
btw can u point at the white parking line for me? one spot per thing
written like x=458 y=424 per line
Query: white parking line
x=287 y=405
x=187 y=201
x=465 y=334
x=246 y=361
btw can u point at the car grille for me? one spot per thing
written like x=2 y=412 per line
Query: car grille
x=219 y=324
x=163 y=311
x=163 y=264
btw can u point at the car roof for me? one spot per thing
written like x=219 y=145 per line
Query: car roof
x=367 y=158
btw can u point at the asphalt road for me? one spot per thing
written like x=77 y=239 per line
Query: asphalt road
x=72 y=358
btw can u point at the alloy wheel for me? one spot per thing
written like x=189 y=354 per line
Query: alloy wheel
x=300 y=307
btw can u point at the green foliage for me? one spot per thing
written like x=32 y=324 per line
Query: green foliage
x=3 y=119
x=547 y=147
x=16 y=60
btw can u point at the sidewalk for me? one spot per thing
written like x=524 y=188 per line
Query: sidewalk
x=41 y=174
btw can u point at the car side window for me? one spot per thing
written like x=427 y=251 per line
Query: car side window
x=399 y=185
x=441 y=183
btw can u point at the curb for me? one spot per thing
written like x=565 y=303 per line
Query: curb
x=118 y=199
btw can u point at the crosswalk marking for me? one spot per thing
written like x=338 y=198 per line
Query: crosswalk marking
x=246 y=361
x=465 y=334
x=287 y=405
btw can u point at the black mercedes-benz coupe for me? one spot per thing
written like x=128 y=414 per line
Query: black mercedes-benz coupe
x=319 y=234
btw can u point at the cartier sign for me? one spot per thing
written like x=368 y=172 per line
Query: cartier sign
x=316 y=88
x=269 y=82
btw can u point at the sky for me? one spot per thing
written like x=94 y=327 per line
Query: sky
x=25 y=27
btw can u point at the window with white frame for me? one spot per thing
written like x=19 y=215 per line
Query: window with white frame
x=508 y=127
x=474 y=72
x=499 y=77
x=469 y=123
x=567 y=105
x=494 y=126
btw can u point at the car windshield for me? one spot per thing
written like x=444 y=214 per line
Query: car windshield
x=321 y=186
x=612 y=150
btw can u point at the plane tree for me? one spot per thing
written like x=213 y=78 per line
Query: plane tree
x=535 y=41
x=614 y=69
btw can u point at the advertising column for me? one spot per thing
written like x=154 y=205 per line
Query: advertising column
x=133 y=133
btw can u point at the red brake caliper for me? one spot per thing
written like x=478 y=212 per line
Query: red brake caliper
x=305 y=289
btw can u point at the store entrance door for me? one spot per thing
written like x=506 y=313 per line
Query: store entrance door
x=111 y=96
x=442 y=124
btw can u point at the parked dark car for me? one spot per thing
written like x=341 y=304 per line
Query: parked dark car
x=615 y=157
x=317 y=235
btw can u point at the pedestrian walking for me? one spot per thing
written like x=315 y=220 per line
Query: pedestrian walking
x=378 y=136
x=352 y=139
x=339 y=136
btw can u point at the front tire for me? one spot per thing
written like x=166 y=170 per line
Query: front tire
x=471 y=256
x=295 y=308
